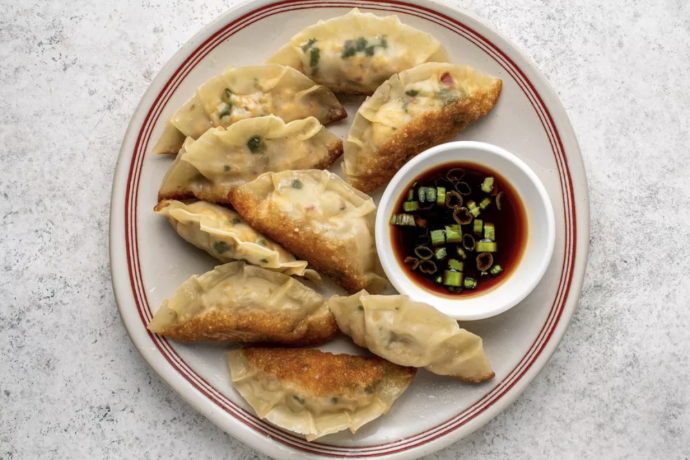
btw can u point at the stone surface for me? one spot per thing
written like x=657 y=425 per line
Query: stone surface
x=72 y=385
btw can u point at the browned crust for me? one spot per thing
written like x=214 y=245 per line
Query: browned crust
x=254 y=327
x=345 y=88
x=335 y=114
x=478 y=379
x=350 y=90
x=432 y=129
x=323 y=254
x=335 y=150
x=324 y=374
x=179 y=195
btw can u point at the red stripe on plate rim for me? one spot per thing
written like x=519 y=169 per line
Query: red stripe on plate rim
x=249 y=419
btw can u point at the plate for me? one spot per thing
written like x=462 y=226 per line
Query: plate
x=149 y=261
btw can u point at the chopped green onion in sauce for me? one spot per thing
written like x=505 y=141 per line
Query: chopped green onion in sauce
x=484 y=261
x=440 y=195
x=412 y=92
x=297 y=184
x=454 y=264
x=468 y=242
x=412 y=261
x=455 y=174
x=489 y=231
x=427 y=266
x=469 y=283
x=453 y=200
x=423 y=252
x=452 y=278
x=499 y=200
x=438 y=237
x=485 y=203
x=496 y=269
x=488 y=185
x=447 y=233
x=453 y=233
x=410 y=206
x=486 y=246
x=463 y=188
x=478 y=227
x=462 y=216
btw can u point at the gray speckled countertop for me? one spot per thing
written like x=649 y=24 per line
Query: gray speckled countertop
x=72 y=385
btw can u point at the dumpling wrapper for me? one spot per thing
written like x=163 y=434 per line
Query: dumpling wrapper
x=411 y=334
x=411 y=112
x=237 y=302
x=224 y=158
x=316 y=393
x=226 y=236
x=246 y=92
x=321 y=219
x=357 y=52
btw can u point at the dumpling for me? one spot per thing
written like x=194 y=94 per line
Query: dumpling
x=414 y=110
x=318 y=217
x=411 y=334
x=356 y=53
x=224 y=158
x=243 y=303
x=226 y=236
x=248 y=92
x=316 y=393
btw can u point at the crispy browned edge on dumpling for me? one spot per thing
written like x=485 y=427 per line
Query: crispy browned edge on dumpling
x=306 y=244
x=478 y=379
x=254 y=327
x=325 y=374
x=335 y=150
x=335 y=114
x=344 y=88
x=432 y=129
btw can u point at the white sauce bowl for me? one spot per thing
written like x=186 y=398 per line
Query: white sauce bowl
x=541 y=232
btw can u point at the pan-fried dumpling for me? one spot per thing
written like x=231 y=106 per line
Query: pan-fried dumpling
x=319 y=218
x=243 y=303
x=224 y=158
x=226 y=236
x=414 y=110
x=411 y=334
x=248 y=92
x=357 y=52
x=316 y=393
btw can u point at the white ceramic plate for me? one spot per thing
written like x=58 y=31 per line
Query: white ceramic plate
x=149 y=261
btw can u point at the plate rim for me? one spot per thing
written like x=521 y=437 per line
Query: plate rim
x=190 y=392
